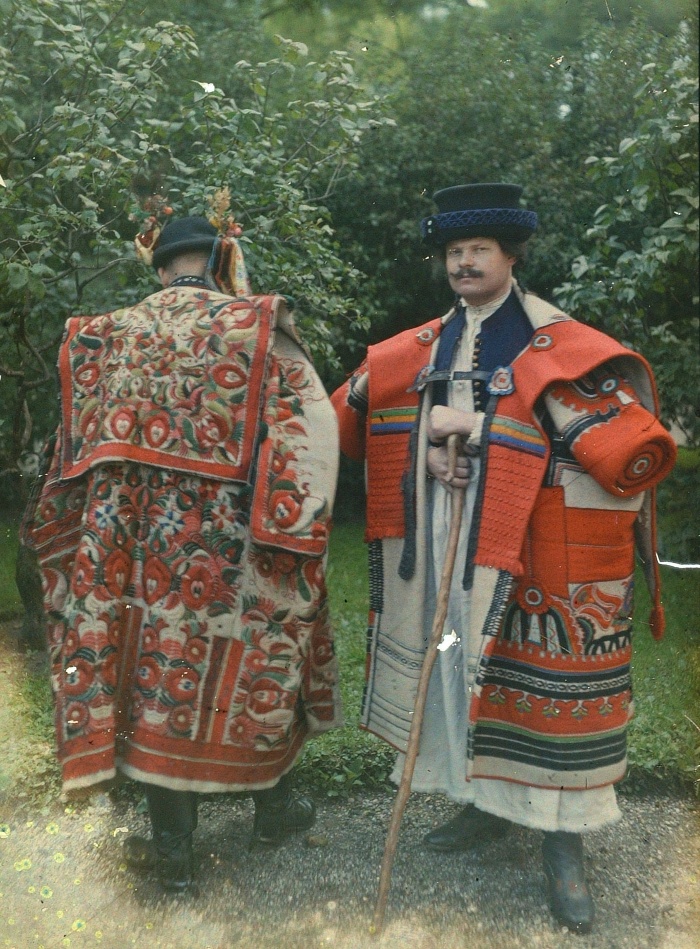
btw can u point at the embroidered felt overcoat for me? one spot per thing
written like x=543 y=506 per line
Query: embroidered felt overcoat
x=181 y=529
x=570 y=451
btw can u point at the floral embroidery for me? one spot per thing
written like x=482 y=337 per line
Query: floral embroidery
x=290 y=509
x=171 y=582
x=176 y=632
x=184 y=395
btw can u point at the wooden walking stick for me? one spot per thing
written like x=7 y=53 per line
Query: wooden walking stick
x=413 y=745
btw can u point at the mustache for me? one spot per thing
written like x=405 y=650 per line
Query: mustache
x=466 y=272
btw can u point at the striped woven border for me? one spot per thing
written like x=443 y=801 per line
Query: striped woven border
x=392 y=421
x=517 y=435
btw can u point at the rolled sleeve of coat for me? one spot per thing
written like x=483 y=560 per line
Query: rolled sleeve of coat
x=614 y=438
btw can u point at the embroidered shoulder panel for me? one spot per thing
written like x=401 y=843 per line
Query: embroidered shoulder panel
x=175 y=382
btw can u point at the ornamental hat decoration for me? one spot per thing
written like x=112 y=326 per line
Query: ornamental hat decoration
x=478 y=210
x=216 y=235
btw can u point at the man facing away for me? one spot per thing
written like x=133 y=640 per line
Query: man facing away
x=530 y=697
x=181 y=530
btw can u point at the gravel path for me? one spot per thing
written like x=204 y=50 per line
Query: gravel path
x=63 y=882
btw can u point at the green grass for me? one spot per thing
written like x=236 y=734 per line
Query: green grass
x=664 y=737
x=10 y=603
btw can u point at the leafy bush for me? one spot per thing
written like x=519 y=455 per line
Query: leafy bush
x=638 y=278
x=98 y=111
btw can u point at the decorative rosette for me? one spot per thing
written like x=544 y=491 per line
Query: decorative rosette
x=532 y=596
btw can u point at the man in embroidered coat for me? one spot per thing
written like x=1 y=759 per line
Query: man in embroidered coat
x=530 y=697
x=181 y=530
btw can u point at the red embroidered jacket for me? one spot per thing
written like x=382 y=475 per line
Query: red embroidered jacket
x=627 y=456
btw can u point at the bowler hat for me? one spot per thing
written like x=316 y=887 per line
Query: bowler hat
x=183 y=236
x=478 y=210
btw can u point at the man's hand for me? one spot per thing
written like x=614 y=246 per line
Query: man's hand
x=438 y=466
x=361 y=384
x=444 y=421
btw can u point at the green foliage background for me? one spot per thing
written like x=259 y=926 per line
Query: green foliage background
x=332 y=158
x=101 y=108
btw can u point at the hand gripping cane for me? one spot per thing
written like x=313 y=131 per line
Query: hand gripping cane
x=417 y=723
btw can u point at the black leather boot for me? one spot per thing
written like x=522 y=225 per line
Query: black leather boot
x=279 y=813
x=169 y=852
x=470 y=828
x=569 y=896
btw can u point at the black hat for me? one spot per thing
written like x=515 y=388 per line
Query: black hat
x=182 y=236
x=478 y=210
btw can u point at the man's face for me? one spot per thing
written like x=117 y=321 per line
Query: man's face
x=478 y=270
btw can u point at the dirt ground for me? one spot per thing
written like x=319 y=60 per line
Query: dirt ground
x=63 y=881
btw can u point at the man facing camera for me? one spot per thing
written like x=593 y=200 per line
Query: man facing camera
x=530 y=697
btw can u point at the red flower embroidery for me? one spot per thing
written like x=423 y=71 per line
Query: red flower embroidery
x=47 y=510
x=83 y=578
x=148 y=673
x=77 y=716
x=149 y=639
x=180 y=719
x=113 y=632
x=229 y=376
x=195 y=651
x=181 y=684
x=79 y=676
x=267 y=696
x=285 y=563
x=71 y=642
x=156 y=580
x=87 y=375
x=117 y=571
x=532 y=596
x=122 y=422
x=281 y=567
x=264 y=565
x=198 y=587
x=285 y=508
x=156 y=429
x=211 y=430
